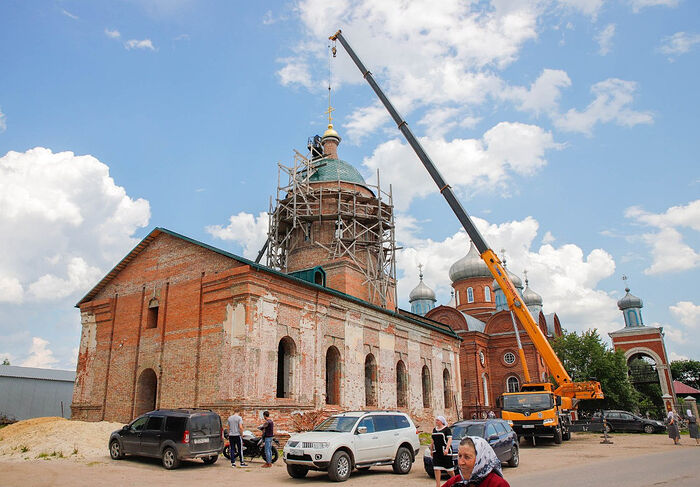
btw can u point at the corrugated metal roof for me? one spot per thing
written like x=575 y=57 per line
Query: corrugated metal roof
x=35 y=373
x=399 y=313
x=336 y=170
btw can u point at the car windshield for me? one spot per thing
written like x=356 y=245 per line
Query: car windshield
x=341 y=424
x=461 y=430
x=527 y=402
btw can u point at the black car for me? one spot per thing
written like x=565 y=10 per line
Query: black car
x=172 y=435
x=497 y=432
x=626 y=421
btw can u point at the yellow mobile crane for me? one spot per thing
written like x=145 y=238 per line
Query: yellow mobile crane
x=538 y=409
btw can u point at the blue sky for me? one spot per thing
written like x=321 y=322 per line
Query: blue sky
x=567 y=127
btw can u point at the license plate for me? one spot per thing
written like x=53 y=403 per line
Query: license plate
x=528 y=426
x=198 y=441
x=296 y=452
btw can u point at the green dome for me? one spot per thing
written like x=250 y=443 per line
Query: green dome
x=336 y=170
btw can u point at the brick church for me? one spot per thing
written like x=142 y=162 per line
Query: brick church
x=179 y=323
x=489 y=360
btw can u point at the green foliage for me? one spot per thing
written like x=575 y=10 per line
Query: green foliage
x=425 y=438
x=585 y=356
x=686 y=371
x=6 y=361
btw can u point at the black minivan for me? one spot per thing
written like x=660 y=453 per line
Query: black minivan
x=172 y=435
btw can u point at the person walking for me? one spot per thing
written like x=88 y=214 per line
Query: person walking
x=235 y=429
x=674 y=431
x=268 y=429
x=441 y=447
x=693 y=426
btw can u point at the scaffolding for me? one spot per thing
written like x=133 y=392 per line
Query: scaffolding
x=363 y=224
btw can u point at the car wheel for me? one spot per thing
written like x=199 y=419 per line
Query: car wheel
x=227 y=451
x=649 y=429
x=403 y=461
x=115 y=450
x=514 y=457
x=340 y=466
x=170 y=460
x=566 y=436
x=362 y=469
x=297 y=471
x=557 y=436
x=210 y=460
x=275 y=455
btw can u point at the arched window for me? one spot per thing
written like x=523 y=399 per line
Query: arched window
x=509 y=358
x=470 y=295
x=152 y=313
x=370 y=380
x=332 y=376
x=285 y=366
x=447 y=387
x=485 y=384
x=487 y=294
x=513 y=384
x=401 y=385
x=427 y=386
x=457 y=297
x=632 y=318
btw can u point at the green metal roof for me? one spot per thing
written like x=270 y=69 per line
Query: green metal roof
x=443 y=328
x=336 y=170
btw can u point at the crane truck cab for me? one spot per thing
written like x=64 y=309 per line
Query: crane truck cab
x=537 y=411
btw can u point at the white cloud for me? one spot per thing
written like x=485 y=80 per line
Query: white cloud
x=69 y=15
x=679 y=43
x=639 y=5
x=245 y=229
x=687 y=313
x=564 y=276
x=112 y=34
x=675 y=356
x=548 y=238
x=613 y=98
x=64 y=222
x=543 y=95
x=139 y=44
x=40 y=355
x=604 y=39
x=674 y=334
x=295 y=72
x=472 y=165
x=3 y=123
x=669 y=251
x=586 y=7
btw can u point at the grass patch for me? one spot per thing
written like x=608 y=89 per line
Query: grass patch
x=425 y=438
x=43 y=455
x=23 y=448
x=75 y=450
x=92 y=464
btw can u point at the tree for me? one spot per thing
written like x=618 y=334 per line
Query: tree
x=686 y=371
x=6 y=361
x=585 y=356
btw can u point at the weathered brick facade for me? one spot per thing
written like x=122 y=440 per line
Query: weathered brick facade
x=180 y=324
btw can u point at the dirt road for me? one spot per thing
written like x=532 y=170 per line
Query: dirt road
x=583 y=454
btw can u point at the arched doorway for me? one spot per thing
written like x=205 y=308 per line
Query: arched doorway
x=427 y=386
x=401 y=385
x=370 y=380
x=447 y=388
x=332 y=375
x=286 y=351
x=146 y=391
x=642 y=370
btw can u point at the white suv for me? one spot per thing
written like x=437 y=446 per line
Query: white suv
x=356 y=439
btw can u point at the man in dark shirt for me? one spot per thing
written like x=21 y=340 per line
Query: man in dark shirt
x=268 y=429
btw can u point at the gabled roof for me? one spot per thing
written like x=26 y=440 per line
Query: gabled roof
x=399 y=313
x=681 y=388
x=35 y=373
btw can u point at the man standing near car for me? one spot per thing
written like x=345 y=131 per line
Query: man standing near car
x=235 y=428
x=268 y=429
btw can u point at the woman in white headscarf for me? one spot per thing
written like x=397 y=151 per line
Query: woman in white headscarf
x=441 y=447
x=478 y=465
x=693 y=426
x=672 y=425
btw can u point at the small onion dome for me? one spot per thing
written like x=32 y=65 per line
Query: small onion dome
x=530 y=297
x=517 y=282
x=421 y=291
x=471 y=265
x=330 y=132
x=629 y=301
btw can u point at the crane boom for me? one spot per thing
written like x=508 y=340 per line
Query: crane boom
x=579 y=390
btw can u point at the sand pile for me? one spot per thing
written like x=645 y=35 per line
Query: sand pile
x=55 y=437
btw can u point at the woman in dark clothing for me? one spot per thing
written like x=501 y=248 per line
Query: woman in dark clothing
x=674 y=431
x=478 y=465
x=442 y=449
x=693 y=426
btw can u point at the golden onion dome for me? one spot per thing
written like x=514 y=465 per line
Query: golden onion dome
x=330 y=132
